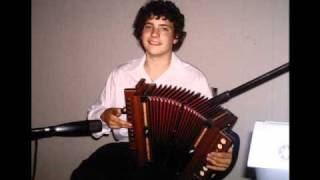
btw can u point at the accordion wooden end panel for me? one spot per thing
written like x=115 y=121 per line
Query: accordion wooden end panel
x=176 y=128
x=214 y=140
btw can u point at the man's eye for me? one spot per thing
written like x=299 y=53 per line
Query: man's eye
x=165 y=29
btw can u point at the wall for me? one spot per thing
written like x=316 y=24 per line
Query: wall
x=76 y=43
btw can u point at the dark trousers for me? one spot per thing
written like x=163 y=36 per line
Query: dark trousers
x=115 y=161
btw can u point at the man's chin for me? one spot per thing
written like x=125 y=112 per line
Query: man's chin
x=154 y=51
x=157 y=51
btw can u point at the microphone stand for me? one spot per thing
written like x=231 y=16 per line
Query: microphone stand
x=71 y=129
x=79 y=128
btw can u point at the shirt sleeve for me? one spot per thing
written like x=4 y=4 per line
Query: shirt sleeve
x=103 y=102
x=203 y=86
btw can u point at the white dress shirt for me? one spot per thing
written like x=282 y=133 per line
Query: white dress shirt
x=179 y=73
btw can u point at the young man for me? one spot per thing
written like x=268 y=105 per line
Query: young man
x=159 y=29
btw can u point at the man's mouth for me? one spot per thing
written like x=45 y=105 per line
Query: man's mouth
x=154 y=43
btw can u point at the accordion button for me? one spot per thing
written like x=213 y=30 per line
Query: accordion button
x=204 y=168
x=201 y=173
x=219 y=146
x=191 y=151
x=223 y=140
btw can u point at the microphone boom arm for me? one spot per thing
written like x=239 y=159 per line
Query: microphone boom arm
x=225 y=96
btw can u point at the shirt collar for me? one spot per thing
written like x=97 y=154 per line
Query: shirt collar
x=138 y=68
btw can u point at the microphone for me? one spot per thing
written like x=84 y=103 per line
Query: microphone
x=71 y=129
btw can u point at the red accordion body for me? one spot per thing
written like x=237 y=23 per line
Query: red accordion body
x=176 y=127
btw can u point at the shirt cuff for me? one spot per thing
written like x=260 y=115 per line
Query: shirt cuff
x=105 y=131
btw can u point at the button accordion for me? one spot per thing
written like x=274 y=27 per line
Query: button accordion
x=176 y=128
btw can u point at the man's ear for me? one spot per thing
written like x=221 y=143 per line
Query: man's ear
x=175 y=40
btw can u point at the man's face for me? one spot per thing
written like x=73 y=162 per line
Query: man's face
x=158 y=36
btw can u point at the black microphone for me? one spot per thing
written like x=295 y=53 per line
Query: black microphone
x=78 y=128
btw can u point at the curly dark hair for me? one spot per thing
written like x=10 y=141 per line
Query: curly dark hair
x=160 y=8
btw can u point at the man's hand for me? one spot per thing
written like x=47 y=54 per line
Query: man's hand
x=111 y=117
x=219 y=161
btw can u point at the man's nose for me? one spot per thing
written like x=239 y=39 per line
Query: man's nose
x=155 y=32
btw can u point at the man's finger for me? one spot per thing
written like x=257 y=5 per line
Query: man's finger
x=125 y=124
x=222 y=162
x=216 y=168
x=220 y=154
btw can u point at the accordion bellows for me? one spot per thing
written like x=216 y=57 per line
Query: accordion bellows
x=176 y=128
